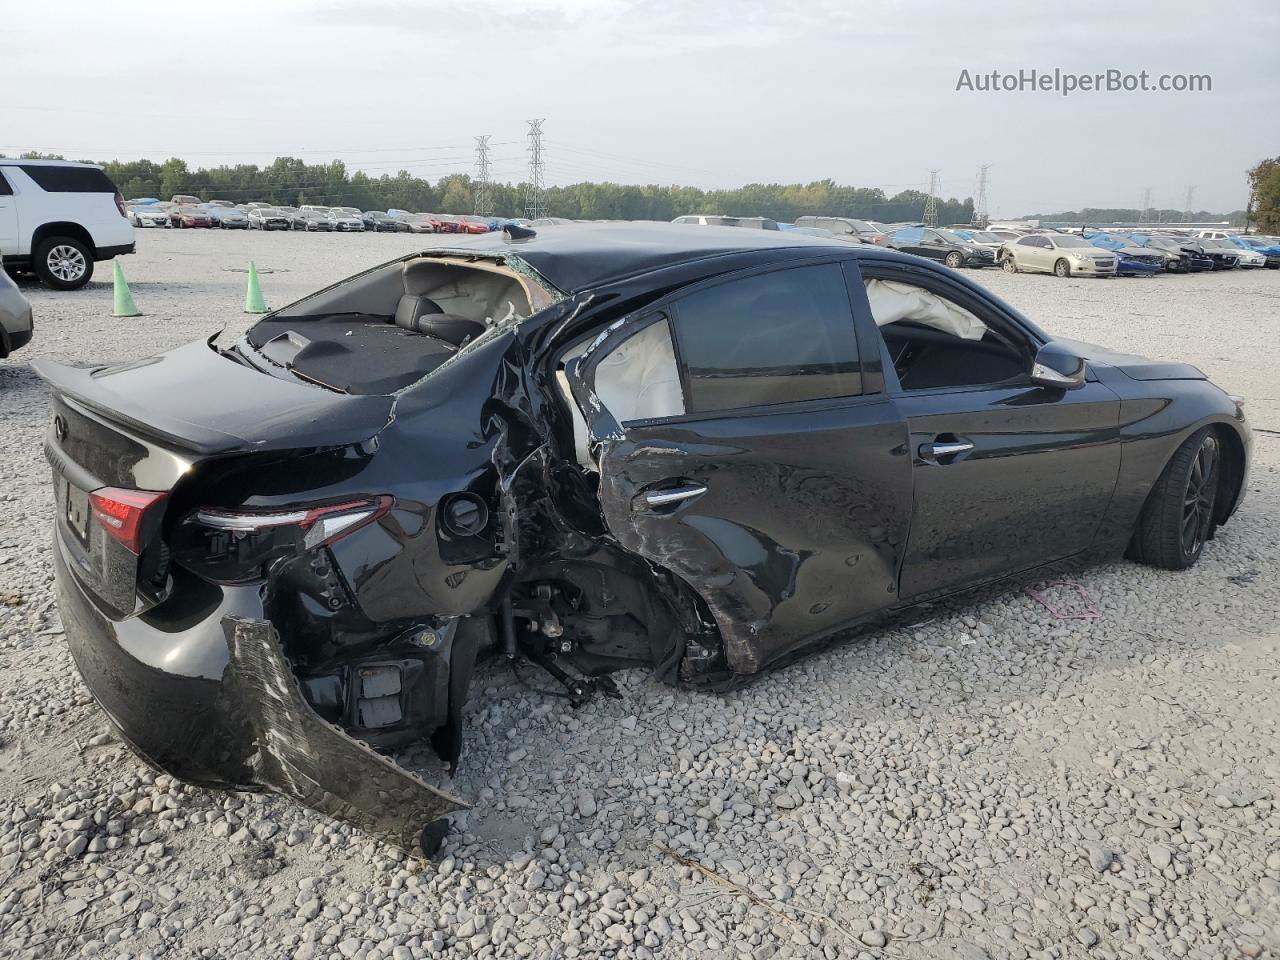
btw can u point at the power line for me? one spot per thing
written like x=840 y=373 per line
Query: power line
x=483 y=189
x=931 y=205
x=533 y=193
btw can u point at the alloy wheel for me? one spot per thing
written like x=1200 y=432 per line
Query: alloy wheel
x=66 y=263
x=1198 y=499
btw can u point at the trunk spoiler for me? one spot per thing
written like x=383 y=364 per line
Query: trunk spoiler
x=196 y=399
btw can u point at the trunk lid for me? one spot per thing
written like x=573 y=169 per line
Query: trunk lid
x=146 y=425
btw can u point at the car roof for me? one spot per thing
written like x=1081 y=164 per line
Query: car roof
x=582 y=256
x=18 y=162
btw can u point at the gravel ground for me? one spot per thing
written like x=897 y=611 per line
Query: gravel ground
x=980 y=781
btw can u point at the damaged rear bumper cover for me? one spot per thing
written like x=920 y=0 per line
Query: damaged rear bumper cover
x=217 y=705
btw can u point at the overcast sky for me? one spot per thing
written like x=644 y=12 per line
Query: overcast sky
x=662 y=91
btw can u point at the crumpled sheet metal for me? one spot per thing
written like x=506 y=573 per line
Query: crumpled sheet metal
x=305 y=758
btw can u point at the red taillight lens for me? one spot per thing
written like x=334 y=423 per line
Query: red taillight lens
x=120 y=513
x=120 y=205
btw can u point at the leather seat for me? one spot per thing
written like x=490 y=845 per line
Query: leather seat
x=419 y=313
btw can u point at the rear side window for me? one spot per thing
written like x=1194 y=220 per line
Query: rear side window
x=69 y=179
x=5 y=189
x=908 y=235
x=773 y=338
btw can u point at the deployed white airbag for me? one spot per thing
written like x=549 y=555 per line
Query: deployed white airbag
x=892 y=301
x=638 y=380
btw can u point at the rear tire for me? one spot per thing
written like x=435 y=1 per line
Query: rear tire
x=1062 y=269
x=63 y=263
x=1178 y=516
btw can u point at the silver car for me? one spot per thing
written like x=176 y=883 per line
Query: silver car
x=15 y=316
x=1061 y=254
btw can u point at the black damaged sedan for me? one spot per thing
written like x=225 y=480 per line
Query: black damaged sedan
x=597 y=446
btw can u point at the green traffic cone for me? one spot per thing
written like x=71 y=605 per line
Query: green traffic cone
x=123 y=305
x=253 y=302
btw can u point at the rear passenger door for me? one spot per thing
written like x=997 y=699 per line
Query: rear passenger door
x=743 y=444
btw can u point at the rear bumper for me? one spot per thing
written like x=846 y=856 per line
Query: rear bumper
x=106 y=253
x=216 y=704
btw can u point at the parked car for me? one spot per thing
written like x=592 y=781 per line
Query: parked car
x=148 y=215
x=1270 y=250
x=15 y=317
x=312 y=221
x=756 y=223
x=416 y=222
x=141 y=201
x=1131 y=260
x=346 y=211
x=268 y=218
x=1057 y=253
x=59 y=218
x=188 y=216
x=985 y=238
x=345 y=222
x=229 y=218
x=470 y=224
x=1225 y=256
x=380 y=222
x=943 y=245
x=219 y=203
x=665 y=455
x=1180 y=259
x=555 y=221
x=312 y=208
x=1247 y=257
x=846 y=228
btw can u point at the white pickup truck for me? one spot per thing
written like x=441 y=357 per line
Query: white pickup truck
x=58 y=218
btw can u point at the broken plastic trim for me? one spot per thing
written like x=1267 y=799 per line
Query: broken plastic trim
x=302 y=757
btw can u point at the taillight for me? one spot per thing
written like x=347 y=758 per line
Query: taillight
x=120 y=512
x=320 y=525
x=120 y=205
x=236 y=545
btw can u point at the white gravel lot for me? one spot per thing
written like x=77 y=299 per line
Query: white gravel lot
x=981 y=781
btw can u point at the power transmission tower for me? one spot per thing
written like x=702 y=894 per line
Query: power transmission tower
x=533 y=191
x=931 y=205
x=1186 y=204
x=483 y=187
x=1145 y=215
x=980 y=217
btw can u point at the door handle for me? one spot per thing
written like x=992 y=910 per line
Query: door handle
x=668 y=496
x=940 y=449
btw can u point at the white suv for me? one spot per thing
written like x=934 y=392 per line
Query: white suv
x=57 y=218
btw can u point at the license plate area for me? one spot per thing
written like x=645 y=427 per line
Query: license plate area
x=76 y=510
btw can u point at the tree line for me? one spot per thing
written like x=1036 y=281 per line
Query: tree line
x=289 y=180
x=1102 y=216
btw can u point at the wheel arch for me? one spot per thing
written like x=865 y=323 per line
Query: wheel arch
x=1231 y=474
x=62 y=228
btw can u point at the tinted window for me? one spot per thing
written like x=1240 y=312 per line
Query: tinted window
x=5 y=189
x=69 y=179
x=908 y=235
x=774 y=338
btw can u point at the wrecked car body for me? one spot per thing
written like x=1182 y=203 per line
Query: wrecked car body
x=596 y=447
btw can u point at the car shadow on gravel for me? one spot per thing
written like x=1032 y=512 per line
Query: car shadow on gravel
x=528 y=755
